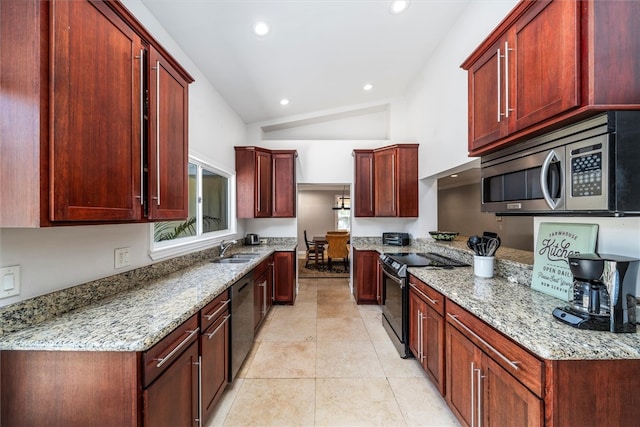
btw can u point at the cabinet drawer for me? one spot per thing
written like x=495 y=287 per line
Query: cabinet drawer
x=159 y=357
x=216 y=308
x=264 y=265
x=514 y=359
x=433 y=298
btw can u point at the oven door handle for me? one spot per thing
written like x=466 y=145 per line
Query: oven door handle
x=393 y=278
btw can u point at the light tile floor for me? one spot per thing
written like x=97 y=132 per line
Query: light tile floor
x=327 y=361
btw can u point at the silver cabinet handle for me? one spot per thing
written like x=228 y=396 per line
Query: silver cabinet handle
x=141 y=57
x=371 y=183
x=219 y=326
x=184 y=342
x=499 y=83
x=199 y=419
x=419 y=335
x=158 y=131
x=215 y=313
x=479 y=396
x=506 y=79
x=511 y=363
x=415 y=288
x=473 y=392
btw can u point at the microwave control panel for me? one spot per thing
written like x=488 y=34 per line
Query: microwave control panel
x=586 y=171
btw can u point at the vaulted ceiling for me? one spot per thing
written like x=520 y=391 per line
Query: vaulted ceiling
x=319 y=53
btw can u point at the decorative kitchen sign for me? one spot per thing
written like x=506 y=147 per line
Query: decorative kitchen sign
x=556 y=241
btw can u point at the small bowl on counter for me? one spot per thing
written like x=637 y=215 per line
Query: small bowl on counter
x=444 y=236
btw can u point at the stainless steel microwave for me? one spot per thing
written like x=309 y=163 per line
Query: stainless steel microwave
x=591 y=167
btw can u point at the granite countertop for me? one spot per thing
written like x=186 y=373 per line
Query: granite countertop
x=515 y=309
x=137 y=319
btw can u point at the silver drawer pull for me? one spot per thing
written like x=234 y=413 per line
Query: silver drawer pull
x=415 y=288
x=165 y=359
x=219 y=326
x=215 y=313
x=511 y=363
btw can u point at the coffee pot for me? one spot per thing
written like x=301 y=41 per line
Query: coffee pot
x=604 y=289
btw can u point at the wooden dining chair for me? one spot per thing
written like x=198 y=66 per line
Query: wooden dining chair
x=317 y=251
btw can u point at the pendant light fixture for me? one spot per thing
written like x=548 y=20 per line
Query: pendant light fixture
x=341 y=206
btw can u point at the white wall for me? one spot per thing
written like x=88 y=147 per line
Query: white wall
x=60 y=257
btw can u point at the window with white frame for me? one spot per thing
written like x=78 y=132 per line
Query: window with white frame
x=343 y=216
x=209 y=210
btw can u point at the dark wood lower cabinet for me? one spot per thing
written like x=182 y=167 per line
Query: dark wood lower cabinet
x=481 y=392
x=214 y=354
x=70 y=389
x=284 y=277
x=366 y=272
x=172 y=399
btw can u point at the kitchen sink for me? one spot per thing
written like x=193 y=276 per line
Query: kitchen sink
x=231 y=260
x=247 y=256
x=236 y=259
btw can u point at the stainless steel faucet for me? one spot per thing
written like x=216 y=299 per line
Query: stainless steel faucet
x=223 y=247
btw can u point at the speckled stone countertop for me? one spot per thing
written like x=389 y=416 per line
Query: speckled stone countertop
x=137 y=319
x=515 y=309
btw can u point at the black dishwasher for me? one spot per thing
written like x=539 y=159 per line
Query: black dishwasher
x=241 y=322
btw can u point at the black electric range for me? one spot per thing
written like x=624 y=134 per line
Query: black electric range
x=395 y=291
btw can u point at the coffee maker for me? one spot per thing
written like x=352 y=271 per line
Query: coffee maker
x=604 y=289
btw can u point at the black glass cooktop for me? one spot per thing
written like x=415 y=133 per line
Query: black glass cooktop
x=429 y=259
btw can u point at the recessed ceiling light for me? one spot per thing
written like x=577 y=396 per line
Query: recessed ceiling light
x=284 y=101
x=367 y=87
x=455 y=175
x=261 y=28
x=399 y=6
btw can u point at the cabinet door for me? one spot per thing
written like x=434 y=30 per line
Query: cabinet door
x=168 y=140
x=462 y=357
x=433 y=347
x=416 y=322
x=214 y=347
x=95 y=164
x=545 y=62
x=172 y=399
x=366 y=276
x=284 y=184
x=364 y=183
x=263 y=185
x=505 y=400
x=385 y=178
x=284 y=276
x=487 y=121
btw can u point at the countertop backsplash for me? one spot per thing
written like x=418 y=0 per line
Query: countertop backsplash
x=30 y=312
x=514 y=265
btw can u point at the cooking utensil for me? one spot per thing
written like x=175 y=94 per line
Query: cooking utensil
x=473 y=243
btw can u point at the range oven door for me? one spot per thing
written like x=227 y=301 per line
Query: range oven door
x=395 y=304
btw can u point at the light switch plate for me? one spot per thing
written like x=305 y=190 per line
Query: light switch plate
x=9 y=281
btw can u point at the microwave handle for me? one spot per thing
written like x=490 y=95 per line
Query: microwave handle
x=553 y=204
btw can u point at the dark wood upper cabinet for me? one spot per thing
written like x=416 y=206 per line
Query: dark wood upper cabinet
x=83 y=124
x=364 y=183
x=284 y=183
x=550 y=63
x=386 y=181
x=265 y=183
x=168 y=142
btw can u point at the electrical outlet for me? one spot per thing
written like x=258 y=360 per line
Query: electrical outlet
x=9 y=281
x=263 y=241
x=122 y=258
